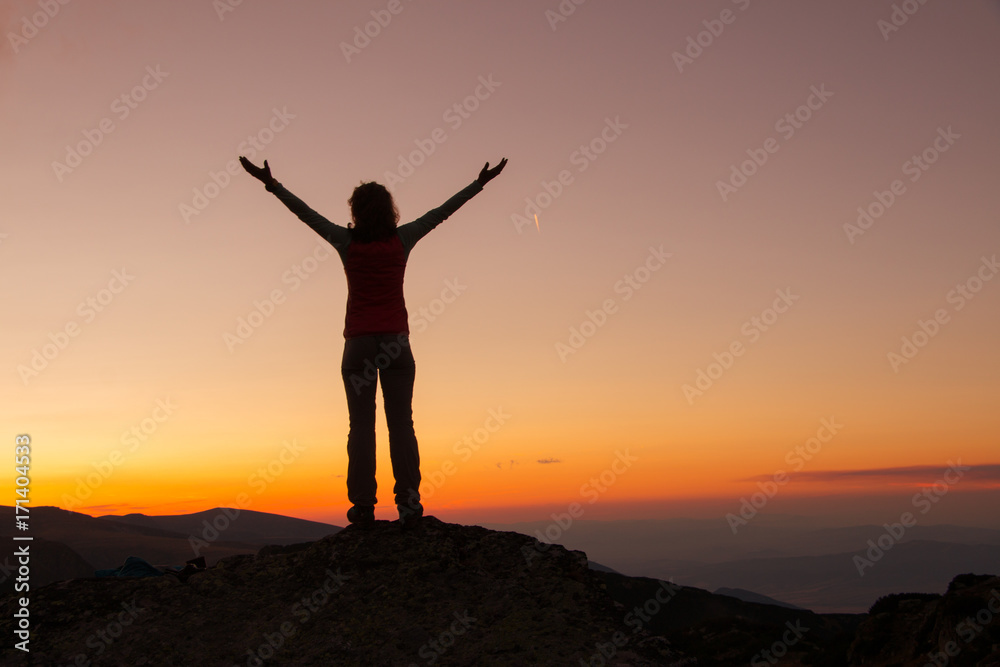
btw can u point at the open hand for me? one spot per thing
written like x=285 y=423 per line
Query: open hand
x=263 y=175
x=487 y=174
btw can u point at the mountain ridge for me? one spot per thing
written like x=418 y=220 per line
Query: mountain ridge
x=449 y=594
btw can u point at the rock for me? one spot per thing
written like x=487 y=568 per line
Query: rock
x=438 y=594
x=960 y=628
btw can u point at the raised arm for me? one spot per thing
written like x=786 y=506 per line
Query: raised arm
x=412 y=232
x=336 y=235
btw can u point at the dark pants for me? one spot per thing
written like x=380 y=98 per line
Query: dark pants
x=368 y=359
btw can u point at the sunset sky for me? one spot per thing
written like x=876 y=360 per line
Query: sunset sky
x=767 y=240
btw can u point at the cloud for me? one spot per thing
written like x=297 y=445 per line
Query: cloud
x=924 y=474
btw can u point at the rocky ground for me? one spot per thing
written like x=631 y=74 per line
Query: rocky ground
x=437 y=594
x=446 y=594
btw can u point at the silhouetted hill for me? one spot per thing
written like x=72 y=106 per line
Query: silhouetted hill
x=50 y=561
x=438 y=593
x=106 y=542
x=248 y=526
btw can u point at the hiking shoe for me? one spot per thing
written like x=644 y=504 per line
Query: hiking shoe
x=364 y=514
x=410 y=514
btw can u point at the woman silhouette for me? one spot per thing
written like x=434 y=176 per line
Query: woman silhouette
x=374 y=251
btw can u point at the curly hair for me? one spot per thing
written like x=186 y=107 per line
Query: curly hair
x=373 y=213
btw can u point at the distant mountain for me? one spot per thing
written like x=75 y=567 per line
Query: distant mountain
x=106 y=542
x=785 y=560
x=833 y=583
x=247 y=526
x=628 y=544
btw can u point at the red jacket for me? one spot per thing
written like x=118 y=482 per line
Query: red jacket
x=375 y=270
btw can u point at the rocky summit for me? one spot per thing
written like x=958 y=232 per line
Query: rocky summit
x=445 y=594
x=434 y=594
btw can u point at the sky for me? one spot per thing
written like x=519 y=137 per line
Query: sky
x=742 y=252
